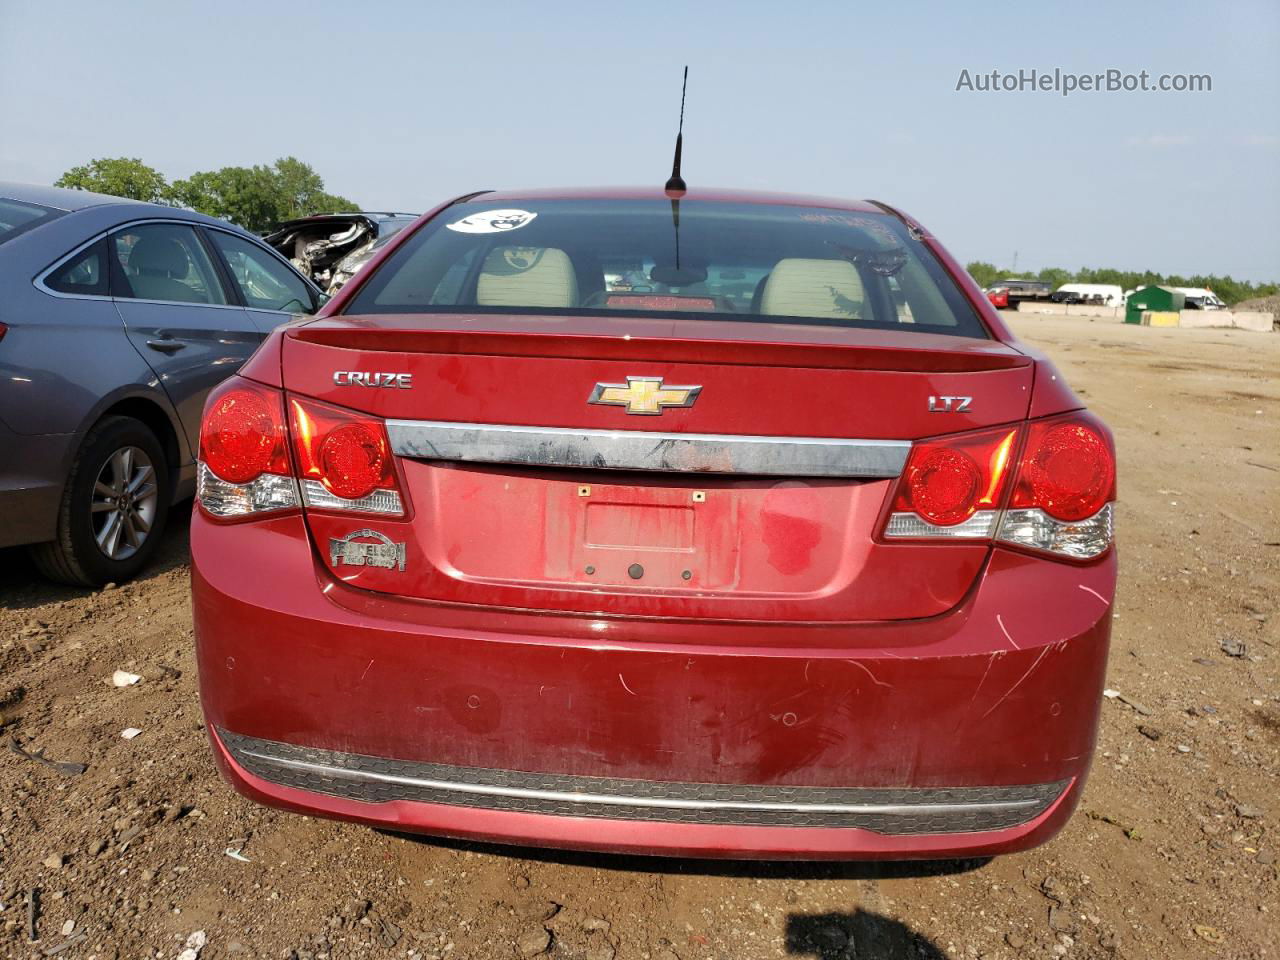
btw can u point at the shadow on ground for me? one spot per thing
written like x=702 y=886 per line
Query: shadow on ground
x=750 y=869
x=860 y=934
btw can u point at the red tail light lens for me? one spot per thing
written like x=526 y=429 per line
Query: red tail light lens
x=947 y=481
x=242 y=434
x=345 y=454
x=353 y=460
x=1068 y=468
x=943 y=486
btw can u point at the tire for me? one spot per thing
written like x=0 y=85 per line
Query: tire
x=115 y=449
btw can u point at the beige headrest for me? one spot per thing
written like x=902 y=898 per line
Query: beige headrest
x=527 y=277
x=813 y=288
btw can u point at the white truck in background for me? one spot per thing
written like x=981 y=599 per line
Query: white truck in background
x=1201 y=298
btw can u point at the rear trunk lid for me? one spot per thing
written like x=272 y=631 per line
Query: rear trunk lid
x=759 y=500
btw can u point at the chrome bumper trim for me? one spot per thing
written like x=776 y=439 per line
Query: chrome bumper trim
x=644 y=450
x=884 y=810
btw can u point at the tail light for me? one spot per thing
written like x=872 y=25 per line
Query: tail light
x=1059 y=490
x=953 y=487
x=343 y=458
x=1066 y=484
x=244 y=458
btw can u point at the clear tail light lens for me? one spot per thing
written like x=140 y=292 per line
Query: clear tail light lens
x=244 y=460
x=266 y=493
x=344 y=459
x=1036 y=529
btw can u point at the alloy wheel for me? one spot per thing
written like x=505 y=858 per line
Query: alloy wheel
x=125 y=498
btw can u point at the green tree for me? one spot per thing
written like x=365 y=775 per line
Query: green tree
x=984 y=274
x=302 y=190
x=259 y=197
x=248 y=196
x=1054 y=276
x=119 y=177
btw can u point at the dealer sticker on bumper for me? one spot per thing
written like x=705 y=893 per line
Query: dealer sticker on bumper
x=383 y=553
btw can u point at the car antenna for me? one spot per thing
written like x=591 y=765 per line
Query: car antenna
x=675 y=188
x=676 y=183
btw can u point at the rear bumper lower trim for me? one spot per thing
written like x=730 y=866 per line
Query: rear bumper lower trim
x=644 y=450
x=900 y=811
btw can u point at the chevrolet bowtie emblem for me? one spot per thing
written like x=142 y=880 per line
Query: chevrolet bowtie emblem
x=646 y=395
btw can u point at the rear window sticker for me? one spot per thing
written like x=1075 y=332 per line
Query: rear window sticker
x=493 y=221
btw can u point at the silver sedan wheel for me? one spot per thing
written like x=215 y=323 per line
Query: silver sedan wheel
x=124 y=503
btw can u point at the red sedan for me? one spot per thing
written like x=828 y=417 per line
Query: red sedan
x=704 y=523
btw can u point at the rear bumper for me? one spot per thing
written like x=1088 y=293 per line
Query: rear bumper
x=965 y=735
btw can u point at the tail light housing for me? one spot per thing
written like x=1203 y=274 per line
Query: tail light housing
x=341 y=460
x=344 y=459
x=243 y=464
x=1047 y=485
x=1066 y=485
x=953 y=487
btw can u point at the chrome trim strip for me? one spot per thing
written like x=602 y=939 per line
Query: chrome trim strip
x=888 y=810
x=671 y=803
x=643 y=450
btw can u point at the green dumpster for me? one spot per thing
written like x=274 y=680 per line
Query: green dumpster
x=1151 y=298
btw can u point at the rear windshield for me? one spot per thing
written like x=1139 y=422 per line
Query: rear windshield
x=17 y=217
x=718 y=261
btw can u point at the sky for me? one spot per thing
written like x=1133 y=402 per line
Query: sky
x=400 y=105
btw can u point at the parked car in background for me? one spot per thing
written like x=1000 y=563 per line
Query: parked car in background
x=682 y=522
x=1201 y=298
x=352 y=263
x=317 y=245
x=1097 y=294
x=999 y=297
x=116 y=320
x=1020 y=290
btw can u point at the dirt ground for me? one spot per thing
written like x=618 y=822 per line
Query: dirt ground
x=1171 y=855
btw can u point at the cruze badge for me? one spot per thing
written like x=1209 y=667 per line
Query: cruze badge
x=358 y=378
x=383 y=553
x=949 y=404
x=643 y=395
